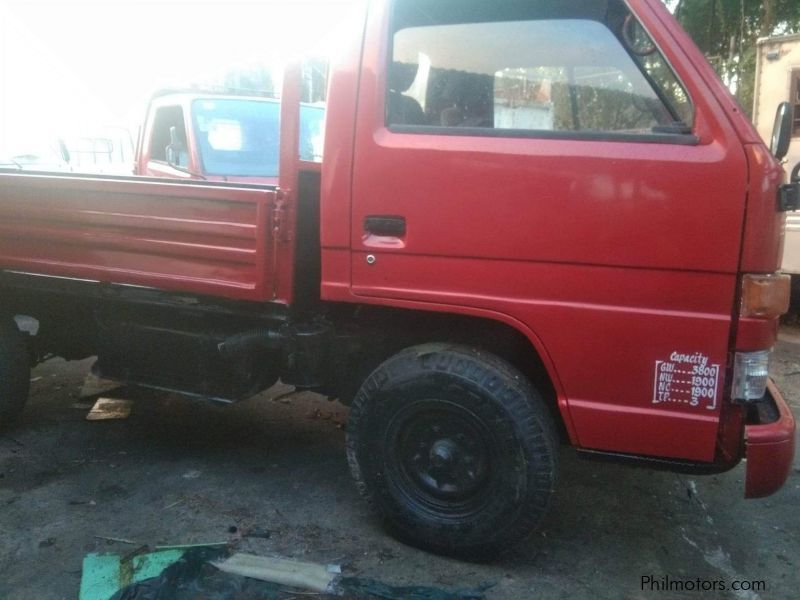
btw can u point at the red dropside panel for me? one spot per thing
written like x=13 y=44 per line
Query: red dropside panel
x=180 y=237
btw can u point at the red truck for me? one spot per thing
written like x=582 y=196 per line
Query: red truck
x=214 y=136
x=535 y=223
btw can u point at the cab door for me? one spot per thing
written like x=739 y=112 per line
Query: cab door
x=169 y=121
x=553 y=165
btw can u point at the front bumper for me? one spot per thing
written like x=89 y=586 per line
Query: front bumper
x=769 y=446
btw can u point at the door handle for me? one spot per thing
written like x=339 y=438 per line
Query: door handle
x=387 y=226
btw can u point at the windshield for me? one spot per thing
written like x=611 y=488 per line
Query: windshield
x=237 y=137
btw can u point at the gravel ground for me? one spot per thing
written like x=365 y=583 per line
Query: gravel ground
x=181 y=472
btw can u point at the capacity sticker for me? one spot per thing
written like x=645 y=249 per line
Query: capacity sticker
x=686 y=379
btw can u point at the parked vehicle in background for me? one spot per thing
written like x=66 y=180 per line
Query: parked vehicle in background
x=535 y=223
x=778 y=80
x=108 y=149
x=36 y=154
x=217 y=137
x=105 y=150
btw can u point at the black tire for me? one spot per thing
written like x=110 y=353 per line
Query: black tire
x=454 y=449
x=14 y=372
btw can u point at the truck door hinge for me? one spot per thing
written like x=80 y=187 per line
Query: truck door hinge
x=280 y=230
x=280 y=234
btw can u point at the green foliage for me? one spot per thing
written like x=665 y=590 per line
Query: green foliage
x=727 y=31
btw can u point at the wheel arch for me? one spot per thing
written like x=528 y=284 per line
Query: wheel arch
x=498 y=333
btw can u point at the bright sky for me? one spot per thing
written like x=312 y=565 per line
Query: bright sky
x=73 y=64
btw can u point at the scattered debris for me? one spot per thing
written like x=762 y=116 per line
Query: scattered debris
x=94 y=386
x=293 y=573
x=317 y=413
x=138 y=551
x=190 y=546
x=286 y=397
x=193 y=474
x=326 y=415
x=174 y=504
x=47 y=543
x=106 y=409
x=35 y=379
x=114 y=539
x=82 y=502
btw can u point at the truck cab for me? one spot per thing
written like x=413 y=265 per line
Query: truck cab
x=219 y=137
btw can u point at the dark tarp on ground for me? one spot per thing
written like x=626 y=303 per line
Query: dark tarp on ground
x=193 y=577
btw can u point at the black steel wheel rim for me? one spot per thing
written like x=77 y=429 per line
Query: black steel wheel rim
x=439 y=457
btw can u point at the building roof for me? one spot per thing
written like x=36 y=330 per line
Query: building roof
x=779 y=39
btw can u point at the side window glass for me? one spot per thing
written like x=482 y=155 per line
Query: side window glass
x=169 y=127
x=570 y=66
x=312 y=109
x=312 y=132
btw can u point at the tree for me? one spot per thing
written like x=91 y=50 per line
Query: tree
x=727 y=32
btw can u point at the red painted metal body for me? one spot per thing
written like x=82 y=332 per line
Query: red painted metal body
x=166 y=235
x=770 y=451
x=588 y=244
x=610 y=257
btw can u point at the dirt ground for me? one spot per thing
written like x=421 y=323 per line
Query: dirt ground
x=181 y=472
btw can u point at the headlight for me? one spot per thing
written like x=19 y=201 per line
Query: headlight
x=750 y=374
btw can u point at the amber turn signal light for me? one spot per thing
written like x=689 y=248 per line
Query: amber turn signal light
x=765 y=296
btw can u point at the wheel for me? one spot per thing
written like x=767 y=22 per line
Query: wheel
x=14 y=372
x=454 y=449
